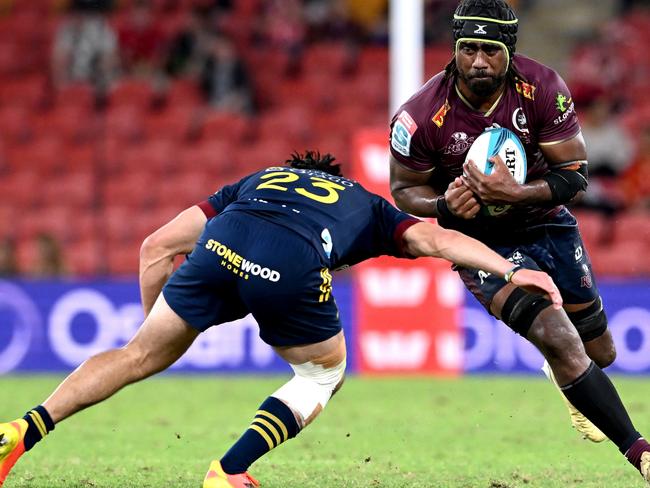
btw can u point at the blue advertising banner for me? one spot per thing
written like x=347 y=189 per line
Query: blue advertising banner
x=55 y=326
x=491 y=347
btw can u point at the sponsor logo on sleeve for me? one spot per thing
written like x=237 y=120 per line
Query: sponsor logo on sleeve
x=565 y=106
x=403 y=130
x=439 y=117
x=525 y=89
x=561 y=102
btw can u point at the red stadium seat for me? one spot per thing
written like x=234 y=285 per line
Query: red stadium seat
x=292 y=124
x=15 y=124
x=73 y=124
x=158 y=156
x=8 y=218
x=373 y=59
x=263 y=154
x=183 y=92
x=225 y=126
x=26 y=91
x=81 y=95
x=592 y=227
x=83 y=257
x=18 y=188
x=116 y=223
x=335 y=57
x=632 y=228
x=175 y=122
x=132 y=92
x=621 y=259
x=124 y=124
x=43 y=155
x=82 y=157
x=130 y=188
x=216 y=157
x=436 y=58
x=123 y=259
x=72 y=189
x=52 y=218
x=188 y=188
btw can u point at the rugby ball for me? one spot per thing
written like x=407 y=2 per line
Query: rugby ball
x=505 y=143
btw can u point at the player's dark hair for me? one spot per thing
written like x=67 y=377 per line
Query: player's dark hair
x=489 y=9
x=314 y=160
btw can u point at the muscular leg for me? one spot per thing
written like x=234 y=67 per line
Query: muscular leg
x=160 y=341
x=319 y=370
x=583 y=383
x=600 y=348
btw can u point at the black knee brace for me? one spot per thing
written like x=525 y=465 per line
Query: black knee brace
x=521 y=308
x=590 y=322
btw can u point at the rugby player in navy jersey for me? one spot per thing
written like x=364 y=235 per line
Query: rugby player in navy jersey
x=265 y=246
x=487 y=84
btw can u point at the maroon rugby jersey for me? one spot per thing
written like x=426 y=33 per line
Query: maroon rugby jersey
x=434 y=129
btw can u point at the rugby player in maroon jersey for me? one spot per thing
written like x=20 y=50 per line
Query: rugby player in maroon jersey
x=487 y=84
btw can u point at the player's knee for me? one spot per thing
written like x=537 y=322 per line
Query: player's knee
x=605 y=356
x=521 y=309
x=308 y=392
x=590 y=322
x=139 y=360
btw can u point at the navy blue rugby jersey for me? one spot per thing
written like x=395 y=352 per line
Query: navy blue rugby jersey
x=345 y=222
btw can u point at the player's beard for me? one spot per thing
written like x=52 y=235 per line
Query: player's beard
x=483 y=87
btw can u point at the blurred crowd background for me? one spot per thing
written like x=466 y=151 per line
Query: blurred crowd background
x=115 y=115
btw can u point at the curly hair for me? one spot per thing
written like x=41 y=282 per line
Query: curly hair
x=314 y=160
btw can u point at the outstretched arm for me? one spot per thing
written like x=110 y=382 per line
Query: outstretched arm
x=425 y=239
x=159 y=250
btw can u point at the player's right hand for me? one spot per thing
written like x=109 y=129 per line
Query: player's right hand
x=537 y=282
x=461 y=201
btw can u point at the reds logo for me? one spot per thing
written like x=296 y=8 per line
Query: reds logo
x=439 y=117
x=525 y=89
x=459 y=143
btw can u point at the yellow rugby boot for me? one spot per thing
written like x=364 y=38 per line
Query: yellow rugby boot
x=581 y=423
x=12 y=445
x=218 y=478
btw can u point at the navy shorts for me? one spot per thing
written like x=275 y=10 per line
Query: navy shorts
x=557 y=250
x=243 y=264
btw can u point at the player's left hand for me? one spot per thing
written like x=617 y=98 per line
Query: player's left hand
x=538 y=282
x=497 y=188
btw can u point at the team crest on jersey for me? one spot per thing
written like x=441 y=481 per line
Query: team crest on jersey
x=525 y=89
x=403 y=130
x=459 y=143
x=439 y=117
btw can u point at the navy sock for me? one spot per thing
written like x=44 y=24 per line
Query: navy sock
x=39 y=425
x=274 y=423
x=595 y=396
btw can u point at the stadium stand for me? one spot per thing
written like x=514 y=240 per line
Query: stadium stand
x=134 y=155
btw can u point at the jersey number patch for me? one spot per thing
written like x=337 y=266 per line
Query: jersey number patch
x=277 y=179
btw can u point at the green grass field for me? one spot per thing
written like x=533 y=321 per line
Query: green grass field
x=488 y=432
